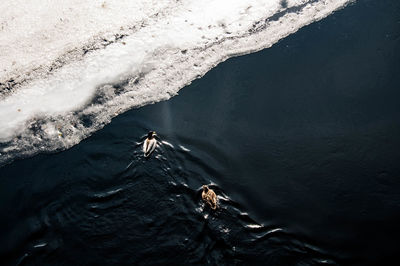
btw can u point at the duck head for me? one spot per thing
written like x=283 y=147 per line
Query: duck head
x=151 y=134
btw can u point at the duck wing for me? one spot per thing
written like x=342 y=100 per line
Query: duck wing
x=214 y=200
x=149 y=146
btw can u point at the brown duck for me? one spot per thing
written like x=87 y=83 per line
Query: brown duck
x=209 y=196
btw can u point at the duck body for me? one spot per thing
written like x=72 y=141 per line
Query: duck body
x=208 y=195
x=149 y=144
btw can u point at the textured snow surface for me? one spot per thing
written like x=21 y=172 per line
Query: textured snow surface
x=68 y=67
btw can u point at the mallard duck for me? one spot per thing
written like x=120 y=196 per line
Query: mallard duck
x=209 y=196
x=150 y=143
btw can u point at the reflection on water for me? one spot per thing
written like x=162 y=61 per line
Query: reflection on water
x=150 y=211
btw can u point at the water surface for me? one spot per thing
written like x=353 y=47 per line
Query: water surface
x=300 y=141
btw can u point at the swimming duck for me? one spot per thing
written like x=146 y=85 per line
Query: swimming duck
x=150 y=143
x=209 y=196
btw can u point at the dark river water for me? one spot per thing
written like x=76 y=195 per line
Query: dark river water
x=301 y=142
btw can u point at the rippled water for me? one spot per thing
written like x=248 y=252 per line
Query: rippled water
x=303 y=157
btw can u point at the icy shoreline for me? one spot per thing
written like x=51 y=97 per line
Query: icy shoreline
x=131 y=63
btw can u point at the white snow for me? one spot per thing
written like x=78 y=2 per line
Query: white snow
x=124 y=53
